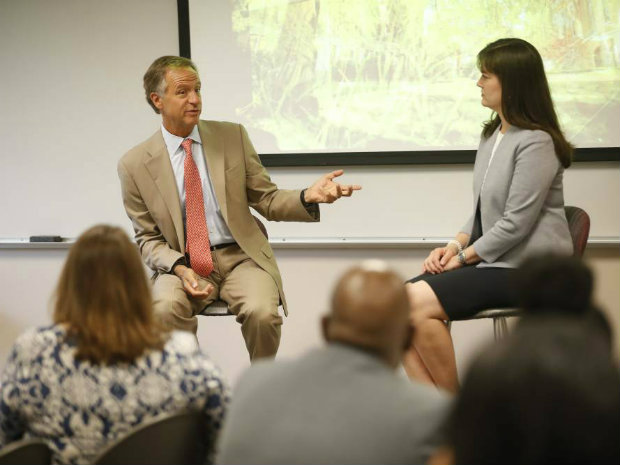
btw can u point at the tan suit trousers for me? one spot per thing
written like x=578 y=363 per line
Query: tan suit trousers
x=250 y=292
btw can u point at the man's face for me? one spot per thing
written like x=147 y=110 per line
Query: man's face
x=181 y=104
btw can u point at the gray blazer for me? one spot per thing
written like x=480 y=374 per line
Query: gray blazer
x=522 y=203
x=335 y=405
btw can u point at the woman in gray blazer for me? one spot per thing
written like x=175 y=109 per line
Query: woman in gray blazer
x=518 y=209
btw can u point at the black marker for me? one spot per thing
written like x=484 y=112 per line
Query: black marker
x=45 y=239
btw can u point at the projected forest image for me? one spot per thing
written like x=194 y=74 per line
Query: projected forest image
x=369 y=74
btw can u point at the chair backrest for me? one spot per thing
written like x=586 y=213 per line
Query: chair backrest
x=26 y=452
x=179 y=438
x=579 y=227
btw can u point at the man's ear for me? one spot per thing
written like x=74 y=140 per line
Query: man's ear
x=325 y=324
x=156 y=99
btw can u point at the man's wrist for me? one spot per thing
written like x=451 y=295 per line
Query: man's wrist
x=179 y=267
x=304 y=202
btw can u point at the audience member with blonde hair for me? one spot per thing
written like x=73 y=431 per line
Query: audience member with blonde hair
x=105 y=365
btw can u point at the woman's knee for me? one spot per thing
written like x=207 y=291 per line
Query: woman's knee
x=424 y=303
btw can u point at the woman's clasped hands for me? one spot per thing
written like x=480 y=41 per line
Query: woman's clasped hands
x=442 y=259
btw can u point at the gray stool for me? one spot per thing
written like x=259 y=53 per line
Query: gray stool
x=217 y=308
x=499 y=315
x=220 y=308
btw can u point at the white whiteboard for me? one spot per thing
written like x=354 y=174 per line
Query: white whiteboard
x=71 y=103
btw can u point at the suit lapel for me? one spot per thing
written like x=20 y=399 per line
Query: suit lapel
x=482 y=162
x=213 y=151
x=159 y=167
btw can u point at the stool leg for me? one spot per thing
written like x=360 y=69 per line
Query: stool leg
x=500 y=327
x=504 y=325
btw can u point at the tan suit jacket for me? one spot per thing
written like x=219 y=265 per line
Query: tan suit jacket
x=239 y=179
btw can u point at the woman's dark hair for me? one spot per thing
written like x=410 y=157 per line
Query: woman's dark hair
x=526 y=99
x=546 y=394
x=554 y=282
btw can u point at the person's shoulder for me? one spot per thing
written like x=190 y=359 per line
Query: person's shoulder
x=268 y=376
x=529 y=136
x=136 y=153
x=422 y=398
x=535 y=145
x=34 y=341
x=182 y=345
x=182 y=348
x=40 y=333
x=182 y=342
x=264 y=375
x=266 y=369
x=223 y=129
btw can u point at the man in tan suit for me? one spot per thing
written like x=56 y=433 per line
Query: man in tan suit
x=242 y=270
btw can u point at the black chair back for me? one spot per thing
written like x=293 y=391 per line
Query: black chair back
x=579 y=227
x=26 y=452
x=179 y=439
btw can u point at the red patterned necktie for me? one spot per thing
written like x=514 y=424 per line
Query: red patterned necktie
x=197 y=242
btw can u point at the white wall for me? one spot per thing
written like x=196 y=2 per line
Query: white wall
x=435 y=200
x=71 y=103
x=29 y=276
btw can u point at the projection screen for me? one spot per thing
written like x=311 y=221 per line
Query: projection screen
x=384 y=77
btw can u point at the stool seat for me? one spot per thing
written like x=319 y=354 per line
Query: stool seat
x=496 y=313
x=217 y=308
x=499 y=315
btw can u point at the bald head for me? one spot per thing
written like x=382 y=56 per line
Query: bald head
x=370 y=310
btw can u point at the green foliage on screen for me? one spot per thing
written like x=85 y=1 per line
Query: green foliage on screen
x=366 y=74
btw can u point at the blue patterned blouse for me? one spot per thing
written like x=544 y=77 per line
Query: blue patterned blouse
x=79 y=407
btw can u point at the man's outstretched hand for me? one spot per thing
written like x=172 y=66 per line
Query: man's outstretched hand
x=326 y=190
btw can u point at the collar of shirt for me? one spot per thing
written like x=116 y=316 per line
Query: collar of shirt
x=173 y=143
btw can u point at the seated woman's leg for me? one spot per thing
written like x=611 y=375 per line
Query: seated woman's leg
x=415 y=367
x=431 y=355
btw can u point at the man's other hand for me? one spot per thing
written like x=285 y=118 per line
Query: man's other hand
x=326 y=190
x=191 y=282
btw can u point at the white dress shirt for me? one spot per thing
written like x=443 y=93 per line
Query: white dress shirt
x=218 y=231
x=497 y=141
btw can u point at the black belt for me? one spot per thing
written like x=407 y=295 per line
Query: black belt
x=222 y=246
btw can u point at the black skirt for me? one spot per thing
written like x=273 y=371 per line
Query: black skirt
x=466 y=291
